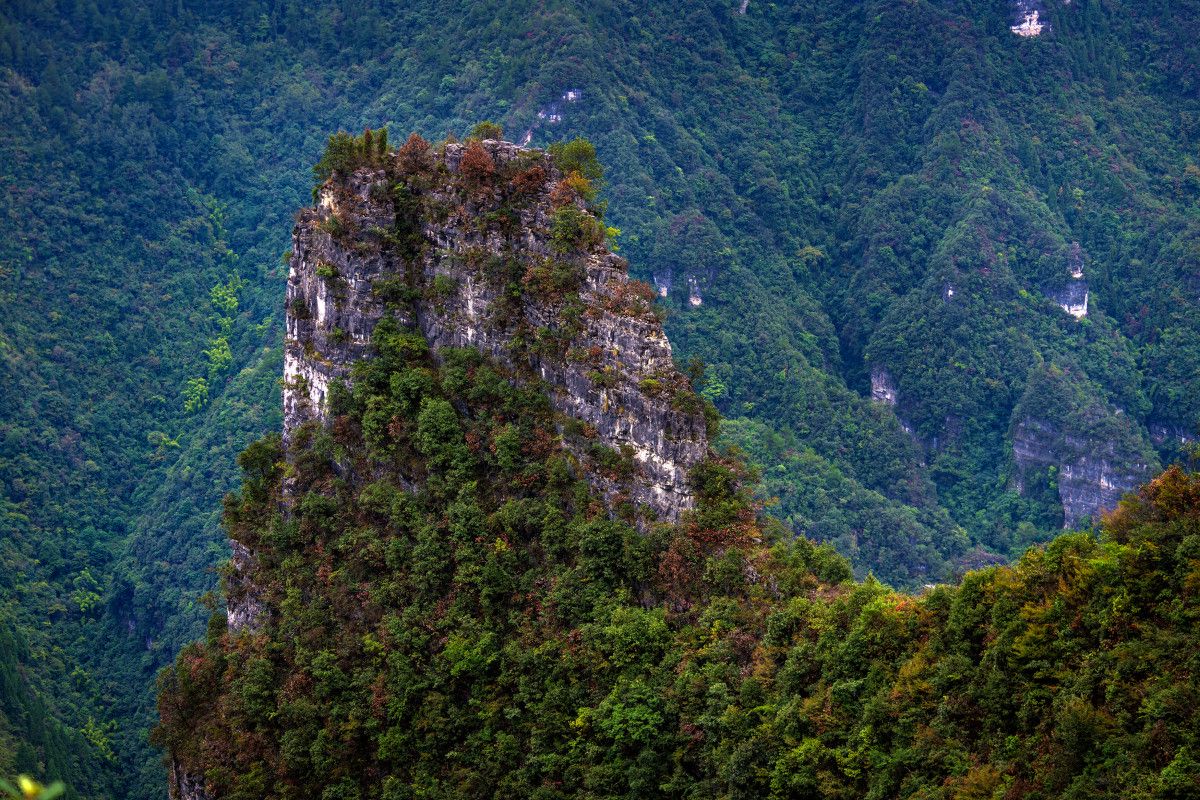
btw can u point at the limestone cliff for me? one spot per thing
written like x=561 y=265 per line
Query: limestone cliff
x=503 y=256
x=484 y=245
x=481 y=268
x=471 y=260
x=1073 y=296
x=1028 y=17
x=1096 y=452
x=883 y=386
x=1091 y=476
x=182 y=785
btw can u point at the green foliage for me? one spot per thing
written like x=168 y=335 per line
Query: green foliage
x=877 y=135
x=219 y=357
x=340 y=156
x=334 y=226
x=486 y=130
x=345 y=152
x=572 y=230
x=26 y=788
x=444 y=285
x=195 y=395
x=554 y=278
x=903 y=546
x=472 y=621
x=577 y=156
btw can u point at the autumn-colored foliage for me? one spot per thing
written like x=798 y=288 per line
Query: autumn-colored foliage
x=631 y=298
x=528 y=182
x=571 y=189
x=414 y=155
x=477 y=166
x=471 y=612
x=1174 y=494
x=552 y=279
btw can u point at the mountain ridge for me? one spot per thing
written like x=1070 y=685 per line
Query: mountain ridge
x=804 y=170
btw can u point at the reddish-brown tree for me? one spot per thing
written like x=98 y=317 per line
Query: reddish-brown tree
x=477 y=167
x=414 y=156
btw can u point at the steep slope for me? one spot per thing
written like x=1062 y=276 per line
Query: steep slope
x=962 y=262
x=791 y=175
x=459 y=334
x=506 y=259
x=448 y=583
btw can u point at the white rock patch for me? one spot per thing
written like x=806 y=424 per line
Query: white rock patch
x=1078 y=311
x=1030 y=26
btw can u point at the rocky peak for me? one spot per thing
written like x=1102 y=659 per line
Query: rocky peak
x=487 y=245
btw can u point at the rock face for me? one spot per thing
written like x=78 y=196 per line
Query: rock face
x=1029 y=18
x=596 y=344
x=1073 y=298
x=244 y=609
x=1170 y=434
x=1097 y=451
x=883 y=387
x=182 y=785
x=1092 y=476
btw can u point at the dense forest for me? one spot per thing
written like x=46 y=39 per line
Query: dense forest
x=826 y=193
x=479 y=639
x=436 y=593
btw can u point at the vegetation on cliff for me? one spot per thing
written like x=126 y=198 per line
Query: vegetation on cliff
x=441 y=605
x=816 y=175
x=450 y=612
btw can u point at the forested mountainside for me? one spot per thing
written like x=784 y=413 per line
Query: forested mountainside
x=875 y=222
x=466 y=570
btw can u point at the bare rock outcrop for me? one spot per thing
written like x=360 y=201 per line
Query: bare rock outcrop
x=183 y=785
x=577 y=323
x=1097 y=453
x=1073 y=296
x=1092 y=476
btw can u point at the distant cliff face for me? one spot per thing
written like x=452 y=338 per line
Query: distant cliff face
x=1096 y=451
x=499 y=256
x=1028 y=17
x=1072 y=297
x=1092 y=476
x=1061 y=425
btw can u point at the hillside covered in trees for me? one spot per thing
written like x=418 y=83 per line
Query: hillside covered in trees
x=441 y=588
x=867 y=219
x=473 y=639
